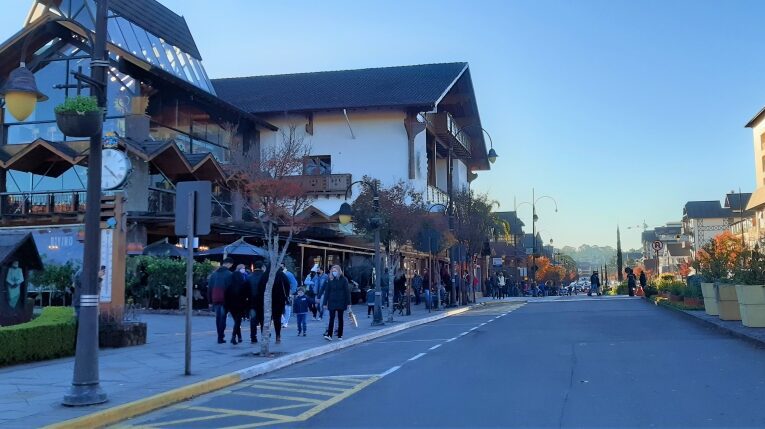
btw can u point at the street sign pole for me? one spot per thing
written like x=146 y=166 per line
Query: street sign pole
x=189 y=277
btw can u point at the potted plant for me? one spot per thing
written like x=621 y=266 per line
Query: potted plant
x=676 y=292
x=715 y=262
x=750 y=289
x=692 y=296
x=114 y=331
x=79 y=116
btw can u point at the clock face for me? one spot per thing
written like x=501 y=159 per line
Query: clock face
x=115 y=168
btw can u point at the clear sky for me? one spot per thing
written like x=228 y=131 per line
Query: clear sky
x=620 y=110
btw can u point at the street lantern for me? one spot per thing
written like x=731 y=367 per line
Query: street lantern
x=492 y=155
x=345 y=214
x=21 y=93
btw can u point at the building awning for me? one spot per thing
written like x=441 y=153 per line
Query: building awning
x=757 y=199
x=52 y=159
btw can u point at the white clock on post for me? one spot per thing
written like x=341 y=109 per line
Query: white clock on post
x=115 y=169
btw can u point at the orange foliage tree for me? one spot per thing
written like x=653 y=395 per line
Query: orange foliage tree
x=718 y=258
x=548 y=271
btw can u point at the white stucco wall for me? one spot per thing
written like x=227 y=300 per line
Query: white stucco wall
x=704 y=230
x=379 y=149
x=759 y=166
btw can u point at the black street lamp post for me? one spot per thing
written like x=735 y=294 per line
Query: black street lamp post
x=534 y=219
x=346 y=216
x=21 y=94
x=433 y=272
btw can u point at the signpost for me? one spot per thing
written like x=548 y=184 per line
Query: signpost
x=657 y=246
x=192 y=218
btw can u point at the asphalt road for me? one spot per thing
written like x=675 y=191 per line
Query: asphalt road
x=579 y=362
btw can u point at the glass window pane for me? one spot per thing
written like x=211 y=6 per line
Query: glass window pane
x=131 y=44
x=158 y=51
x=27 y=133
x=220 y=153
x=115 y=33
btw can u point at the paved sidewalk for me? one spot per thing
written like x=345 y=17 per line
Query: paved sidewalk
x=734 y=328
x=30 y=394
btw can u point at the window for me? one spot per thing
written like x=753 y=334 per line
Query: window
x=317 y=165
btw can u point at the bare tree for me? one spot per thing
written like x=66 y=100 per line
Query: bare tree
x=275 y=197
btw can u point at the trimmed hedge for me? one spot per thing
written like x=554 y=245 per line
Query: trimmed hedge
x=49 y=336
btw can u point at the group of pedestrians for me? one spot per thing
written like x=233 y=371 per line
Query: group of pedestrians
x=241 y=294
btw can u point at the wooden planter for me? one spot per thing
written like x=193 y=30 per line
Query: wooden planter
x=727 y=302
x=80 y=125
x=675 y=298
x=692 y=301
x=710 y=299
x=124 y=334
x=751 y=303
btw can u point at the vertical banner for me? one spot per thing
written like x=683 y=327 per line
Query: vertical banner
x=107 y=245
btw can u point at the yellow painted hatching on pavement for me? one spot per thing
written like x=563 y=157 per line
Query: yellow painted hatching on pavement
x=294 y=399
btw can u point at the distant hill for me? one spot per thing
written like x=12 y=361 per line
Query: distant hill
x=587 y=255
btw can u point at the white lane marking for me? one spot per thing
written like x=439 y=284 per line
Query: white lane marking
x=390 y=371
x=474 y=328
x=464 y=333
x=417 y=356
x=482 y=324
x=451 y=339
x=436 y=346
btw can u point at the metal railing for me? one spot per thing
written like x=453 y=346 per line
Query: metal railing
x=322 y=184
x=43 y=202
x=434 y=195
x=162 y=202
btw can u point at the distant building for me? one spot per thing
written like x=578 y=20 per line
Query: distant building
x=703 y=220
x=743 y=220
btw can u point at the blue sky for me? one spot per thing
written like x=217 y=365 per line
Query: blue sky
x=620 y=110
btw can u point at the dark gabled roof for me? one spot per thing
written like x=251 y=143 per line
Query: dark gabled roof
x=647 y=236
x=159 y=20
x=516 y=225
x=19 y=246
x=416 y=86
x=737 y=201
x=705 y=210
x=677 y=249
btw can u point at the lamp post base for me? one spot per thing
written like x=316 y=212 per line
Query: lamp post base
x=83 y=395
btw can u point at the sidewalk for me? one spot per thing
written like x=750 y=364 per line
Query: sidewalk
x=30 y=394
x=733 y=328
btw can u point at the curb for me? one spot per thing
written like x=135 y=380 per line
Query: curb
x=709 y=324
x=160 y=400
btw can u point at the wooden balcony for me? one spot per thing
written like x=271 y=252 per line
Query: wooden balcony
x=446 y=128
x=323 y=184
x=30 y=206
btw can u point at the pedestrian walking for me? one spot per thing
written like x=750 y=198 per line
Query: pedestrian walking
x=220 y=281
x=417 y=287
x=310 y=290
x=300 y=308
x=399 y=285
x=426 y=288
x=643 y=280
x=321 y=284
x=293 y=285
x=370 y=301
x=502 y=285
x=280 y=294
x=594 y=284
x=631 y=281
x=337 y=298
x=257 y=284
x=237 y=301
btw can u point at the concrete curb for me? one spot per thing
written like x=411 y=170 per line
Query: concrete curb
x=160 y=400
x=709 y=324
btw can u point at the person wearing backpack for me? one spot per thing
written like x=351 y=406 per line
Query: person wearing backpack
x=220 y=281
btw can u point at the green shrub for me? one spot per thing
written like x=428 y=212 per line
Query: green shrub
x=49 y=336
x=621 y=289
x=157 y=282
x=650 y=291
x=677 y=288
x=78 y=104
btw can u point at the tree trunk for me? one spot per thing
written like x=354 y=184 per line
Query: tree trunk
x=392 y=266
x=267 y=313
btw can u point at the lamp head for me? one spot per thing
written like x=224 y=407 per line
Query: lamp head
x=21 y=94
x=345 y=214
x=492 y=155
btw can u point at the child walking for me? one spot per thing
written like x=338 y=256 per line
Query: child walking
x=300 y=308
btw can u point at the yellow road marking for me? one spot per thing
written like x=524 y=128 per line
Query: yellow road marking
x=326 y=404
x=299 y=386
x=230 y=412
x=348 y=384
x=289 y=398
x=311 y=392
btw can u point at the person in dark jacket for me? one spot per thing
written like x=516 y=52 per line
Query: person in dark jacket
x=370 y=301
x=237 y=301
x=337 y=298
x=279 y=297
x=594 y=284
x=220 y=281
x=399 y=285
x=643 y=280
x=300 y=306
x=631 y=283
x=256 y=283
x=320 y=283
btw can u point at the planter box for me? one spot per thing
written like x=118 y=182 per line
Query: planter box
x=675 y=298
x=80 y=125
x=710 y=299
x=728 y=302
x=751 y=302
x=692 y=301
x=125 y=334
